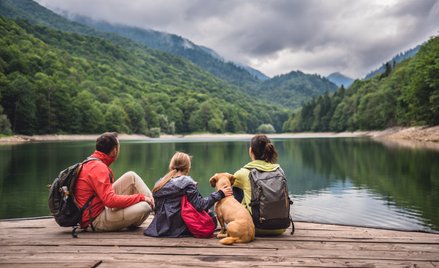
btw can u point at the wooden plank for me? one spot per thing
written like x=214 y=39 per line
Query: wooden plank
x=303 y=230
x=55 y=263
x=212 y=243
x=128 y=260
x=413 y=255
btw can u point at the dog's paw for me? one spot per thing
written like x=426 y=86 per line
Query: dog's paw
x=220 y=235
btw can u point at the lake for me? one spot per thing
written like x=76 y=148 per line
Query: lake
x=353 y=181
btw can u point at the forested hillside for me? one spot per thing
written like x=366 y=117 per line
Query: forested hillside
x=289 y=90
x=56 y=82
x=404 y=95
x=202 y=57
x=397 y=59
x=59 y=76
x=293 y=89
x=34 y=13
x=291 y=93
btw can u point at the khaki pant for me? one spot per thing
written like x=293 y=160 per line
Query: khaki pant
x=114 y=219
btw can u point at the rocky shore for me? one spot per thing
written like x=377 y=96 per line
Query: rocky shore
x=413 y=135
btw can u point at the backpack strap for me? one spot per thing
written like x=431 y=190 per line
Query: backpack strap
x=87 y=205
x=291 y=218
x=291 y=202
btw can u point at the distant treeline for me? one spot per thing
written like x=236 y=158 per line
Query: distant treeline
x=404 y=95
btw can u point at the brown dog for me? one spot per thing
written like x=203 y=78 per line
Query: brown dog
x=240 y=227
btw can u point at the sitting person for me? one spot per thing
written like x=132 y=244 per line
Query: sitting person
x=168 y=192
x=264 y=156
x=113 y=206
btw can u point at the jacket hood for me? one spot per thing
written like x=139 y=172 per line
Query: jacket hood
x=261 y=165
x=103 y=157
x=175 y=186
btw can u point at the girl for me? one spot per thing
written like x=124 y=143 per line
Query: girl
x=168 y=192
x=264 y=156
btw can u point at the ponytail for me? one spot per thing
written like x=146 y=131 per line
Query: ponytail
x=263 y=148
x=159 y=185
x=270 y=154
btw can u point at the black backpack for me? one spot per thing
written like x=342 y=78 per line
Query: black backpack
x=62 y=202
x=270 y=201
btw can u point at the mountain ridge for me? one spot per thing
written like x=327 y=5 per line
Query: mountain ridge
x=204 y=57
x=163 y=91
x=294 y=88
x=340 y=79
x=393 y=61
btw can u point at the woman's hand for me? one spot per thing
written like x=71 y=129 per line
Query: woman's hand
x=150 y=201
x=227 y=190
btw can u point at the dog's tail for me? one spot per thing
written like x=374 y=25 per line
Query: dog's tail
x=229 y=240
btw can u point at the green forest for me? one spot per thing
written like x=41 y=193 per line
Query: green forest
x=406 y=94
x=57 y=82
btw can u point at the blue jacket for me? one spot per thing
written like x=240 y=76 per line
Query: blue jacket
x=167 y=221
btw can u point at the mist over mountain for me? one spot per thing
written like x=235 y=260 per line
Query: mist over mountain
x=395 y=60
x=204 y=57
x=340 y=79
x=247 y=79
x=59 y=76
x=54 y=70
x=406 y=94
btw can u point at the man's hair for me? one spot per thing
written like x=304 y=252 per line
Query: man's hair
x=106 y=142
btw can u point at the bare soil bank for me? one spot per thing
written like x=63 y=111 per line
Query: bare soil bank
x=413 y=136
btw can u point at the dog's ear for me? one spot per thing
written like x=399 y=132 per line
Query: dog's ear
x=232 y=179
x=213 y=180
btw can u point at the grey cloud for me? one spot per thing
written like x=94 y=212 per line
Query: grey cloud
x=319 y=35
x=417 y=9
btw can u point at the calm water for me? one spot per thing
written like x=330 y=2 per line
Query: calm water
x=346 y=181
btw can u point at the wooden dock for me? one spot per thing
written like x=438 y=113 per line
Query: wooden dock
x=41 y=243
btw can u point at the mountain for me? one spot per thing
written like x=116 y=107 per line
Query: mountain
x=294 y=88
x=166 y=71
x=404 y=95
x=58 y=76
x=395 y=60
x=340 y=79
x=256 y=73
x=205 y=58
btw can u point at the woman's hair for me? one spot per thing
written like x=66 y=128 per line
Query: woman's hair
x=179 y=162
x=106 y=142
x=263 y=149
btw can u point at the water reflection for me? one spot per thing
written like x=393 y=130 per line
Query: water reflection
x=344 y=180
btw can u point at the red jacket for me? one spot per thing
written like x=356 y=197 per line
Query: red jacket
x=97 y=177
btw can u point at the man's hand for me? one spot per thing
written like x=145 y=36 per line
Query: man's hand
x=150 y=201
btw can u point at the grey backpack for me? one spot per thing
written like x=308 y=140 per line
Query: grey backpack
x=270 y=201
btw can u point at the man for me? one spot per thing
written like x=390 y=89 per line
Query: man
x=126 y=203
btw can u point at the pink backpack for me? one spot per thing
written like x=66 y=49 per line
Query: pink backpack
x=200 y=224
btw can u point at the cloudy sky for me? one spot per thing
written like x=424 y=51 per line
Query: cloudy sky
x=279 y=36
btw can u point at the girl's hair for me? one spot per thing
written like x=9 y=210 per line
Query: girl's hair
x=179 y=162
x=263 y=149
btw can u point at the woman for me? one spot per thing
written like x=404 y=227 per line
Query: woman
x=264 y=156
x=168 y=192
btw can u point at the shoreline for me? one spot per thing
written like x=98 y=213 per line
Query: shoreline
x=412 y=136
